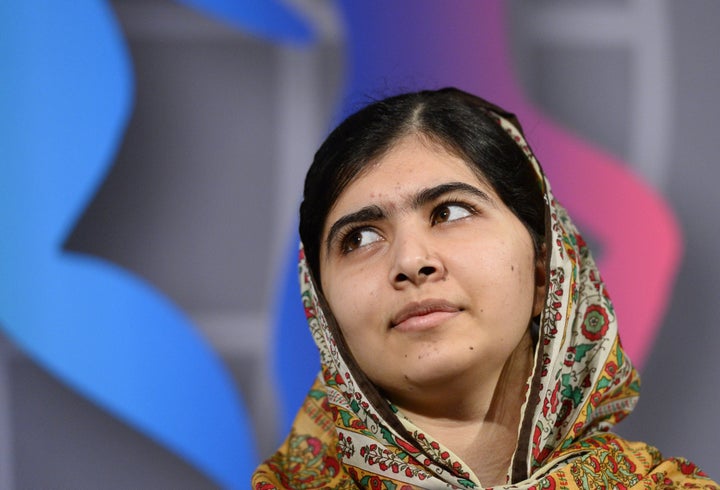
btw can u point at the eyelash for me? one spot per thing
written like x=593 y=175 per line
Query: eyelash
x=453 y=202
x=345 y=235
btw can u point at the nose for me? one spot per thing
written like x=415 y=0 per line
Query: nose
x=414 y=261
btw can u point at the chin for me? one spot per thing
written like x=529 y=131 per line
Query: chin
x=439 y=368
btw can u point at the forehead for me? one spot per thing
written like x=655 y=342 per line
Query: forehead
x=413 y=163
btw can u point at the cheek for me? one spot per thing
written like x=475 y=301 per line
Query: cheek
x=353 y=300
x=499 y=265
x=522 y=276
x=501 y=278
x=359 y=314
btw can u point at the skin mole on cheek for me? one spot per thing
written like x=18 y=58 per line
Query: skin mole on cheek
x=512 y=267
x=472 y=348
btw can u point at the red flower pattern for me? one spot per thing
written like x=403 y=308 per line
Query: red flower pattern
x=596 y=323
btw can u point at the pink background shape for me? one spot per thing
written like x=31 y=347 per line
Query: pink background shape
x=393 y=48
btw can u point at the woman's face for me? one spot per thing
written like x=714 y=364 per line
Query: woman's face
x=429 y=275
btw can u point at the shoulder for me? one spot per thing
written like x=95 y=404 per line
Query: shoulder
x=307 y=458
x=609 y=461
x=303 y=461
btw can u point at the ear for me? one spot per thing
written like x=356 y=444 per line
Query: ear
x=541 y=281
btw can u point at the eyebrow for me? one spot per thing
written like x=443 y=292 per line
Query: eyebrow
x=376 y=213
x=433 y=193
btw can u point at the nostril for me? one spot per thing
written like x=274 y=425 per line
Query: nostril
x=401 y=277
x=427 y=270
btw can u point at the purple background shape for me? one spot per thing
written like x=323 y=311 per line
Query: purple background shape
x=467 y=47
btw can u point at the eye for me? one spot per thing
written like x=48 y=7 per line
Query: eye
x=357 y=238
x=450 y=212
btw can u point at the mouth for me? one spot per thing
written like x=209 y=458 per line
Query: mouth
x=424 y=314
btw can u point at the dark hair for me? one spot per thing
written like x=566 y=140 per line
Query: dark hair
x=457 y=120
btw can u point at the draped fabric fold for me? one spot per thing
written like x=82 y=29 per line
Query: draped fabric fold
x=347 y=435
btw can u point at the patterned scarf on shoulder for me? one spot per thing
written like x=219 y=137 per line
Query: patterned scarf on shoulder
x=347 y=436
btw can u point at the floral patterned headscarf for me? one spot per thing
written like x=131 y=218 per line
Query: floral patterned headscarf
x=347 y=435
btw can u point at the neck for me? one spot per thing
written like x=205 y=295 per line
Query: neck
x=480 y=426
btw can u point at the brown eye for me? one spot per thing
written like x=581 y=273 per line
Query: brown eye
x=359 y=238
x=450 y=212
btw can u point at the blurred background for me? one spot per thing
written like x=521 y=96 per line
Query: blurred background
x=197 y=199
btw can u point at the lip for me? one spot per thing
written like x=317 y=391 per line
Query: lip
x=424 y=314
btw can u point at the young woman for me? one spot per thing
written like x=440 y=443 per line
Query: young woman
x=465 y=335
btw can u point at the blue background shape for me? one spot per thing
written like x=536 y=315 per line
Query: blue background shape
x=66 y=96
x=266 y=18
